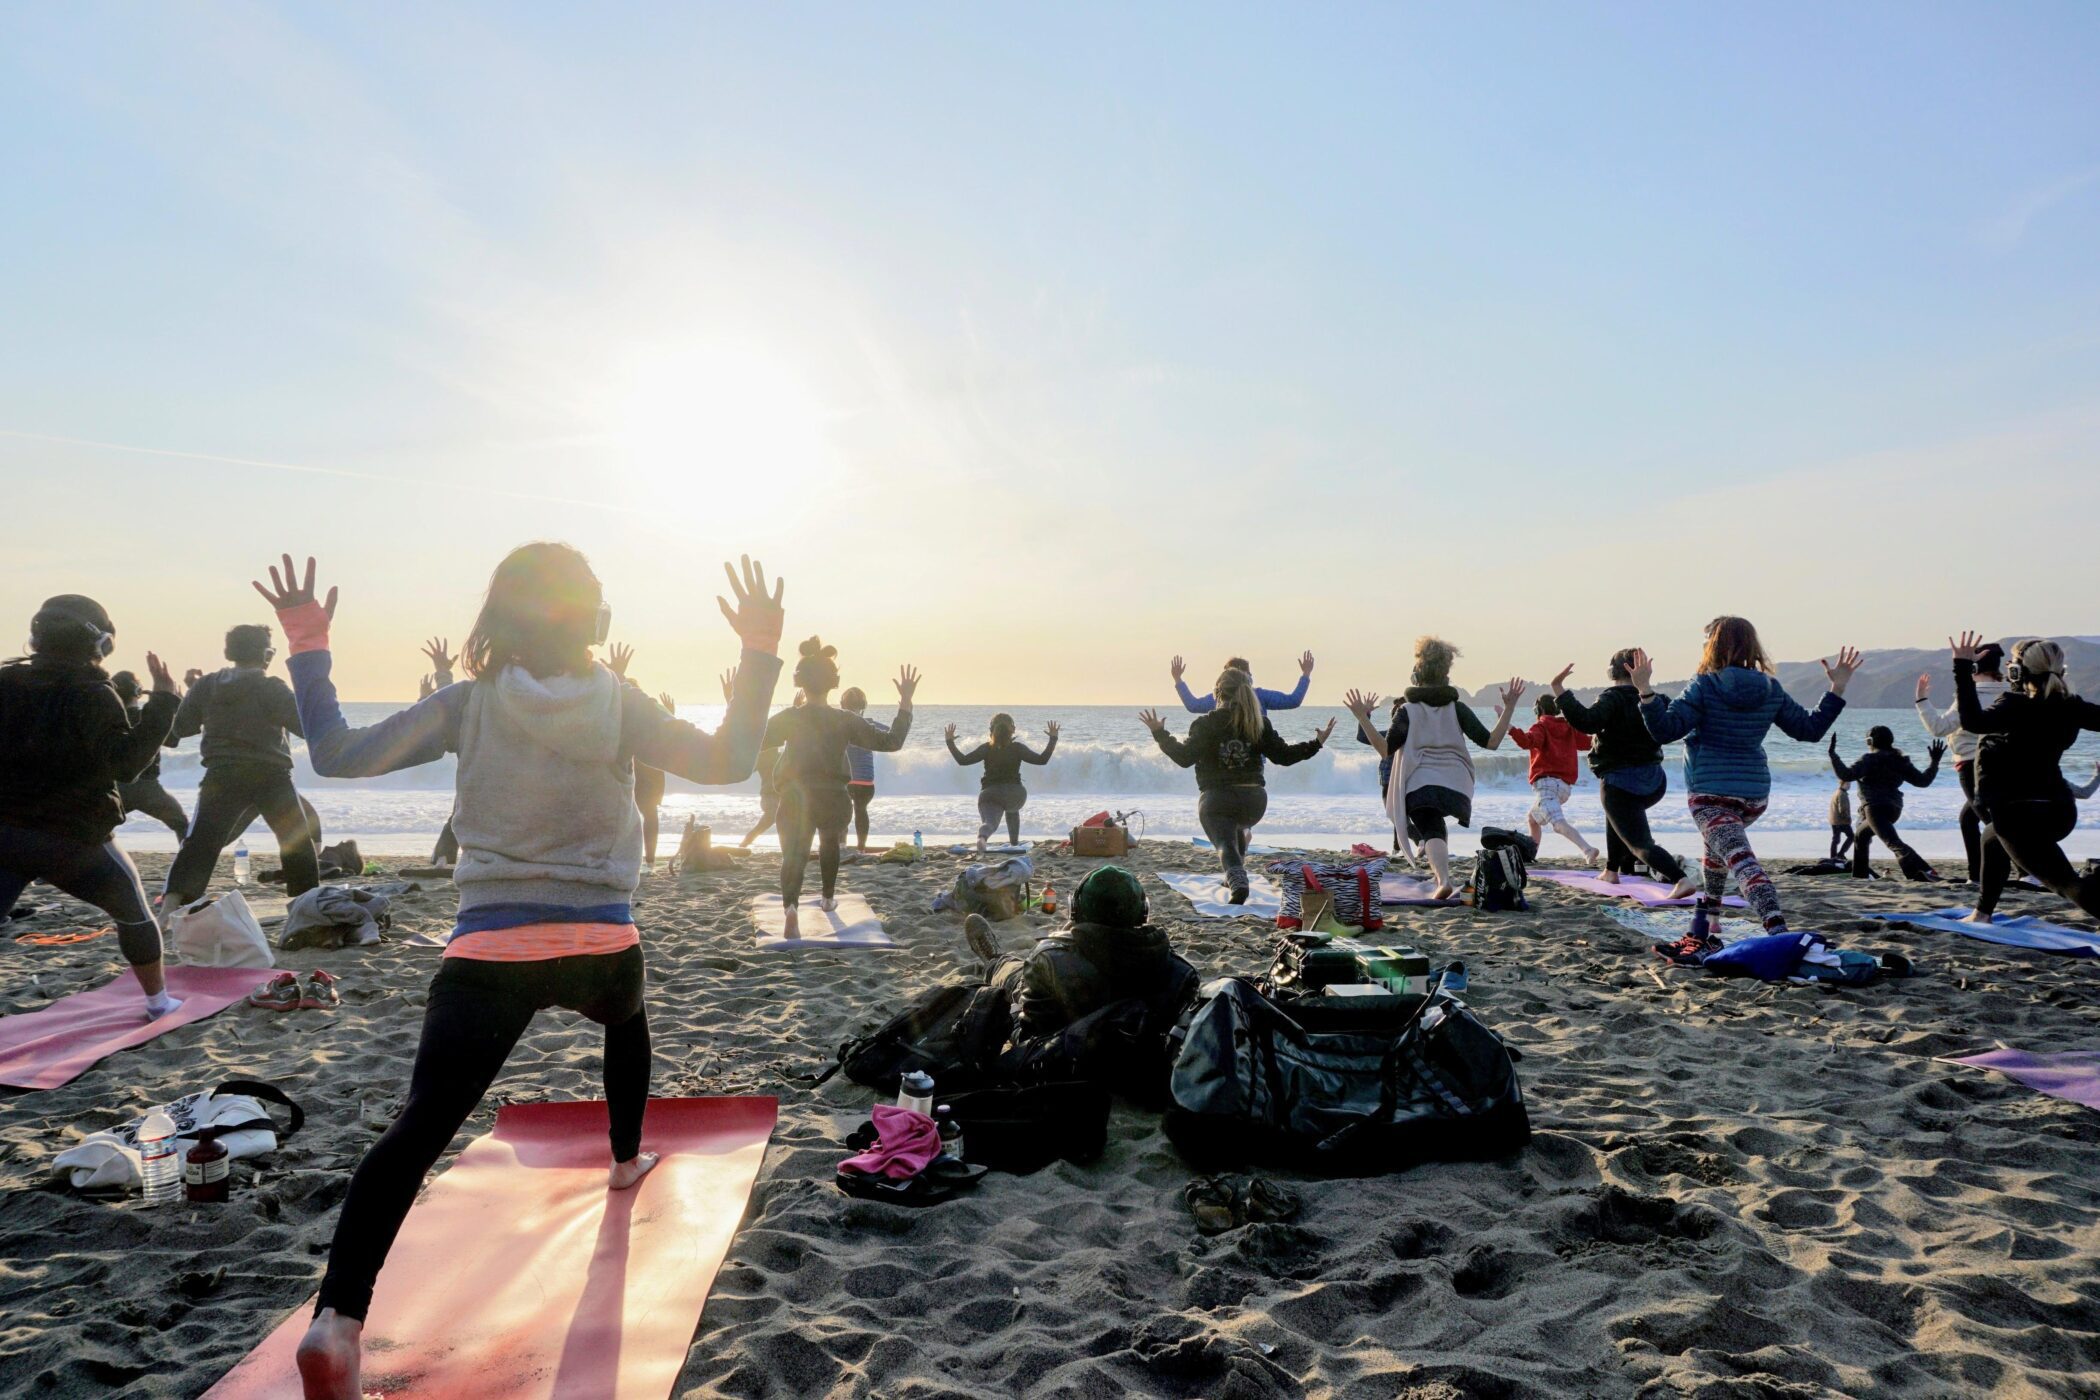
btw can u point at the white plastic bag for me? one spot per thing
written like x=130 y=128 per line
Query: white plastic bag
x=218 y=933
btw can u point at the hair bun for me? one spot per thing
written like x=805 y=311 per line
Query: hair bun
x=814 y=646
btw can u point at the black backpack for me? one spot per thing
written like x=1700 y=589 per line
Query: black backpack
x=1340 y=1084
x=953 y=1032
x=1025 y=1129
x=1501 y=871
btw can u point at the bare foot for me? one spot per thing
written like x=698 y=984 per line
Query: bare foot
x=1975 y=918
x=1608 y=877
x=328 y=1356
x=791 y=923
x=1683 y=889
x=1594 y=857
x=626 y=1174
x=1442 y=893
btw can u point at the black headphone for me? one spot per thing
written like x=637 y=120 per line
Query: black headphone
x=64 y=632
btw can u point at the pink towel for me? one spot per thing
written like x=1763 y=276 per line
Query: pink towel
x=907 y=1144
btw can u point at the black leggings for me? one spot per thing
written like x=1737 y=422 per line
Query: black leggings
x=1229 y=816
x=101 y=875
x=1879 y=818
x=1001 y=800
x=1971 y=819
x=1840 y=841
x=823 y=812
x=446 y=851
x=226 y=800
x=1626 y=834
x=2028 y=834
x=148 y=796
x=475 y=1014
x=862 y=794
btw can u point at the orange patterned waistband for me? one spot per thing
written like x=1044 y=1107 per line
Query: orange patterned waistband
x=541 y=942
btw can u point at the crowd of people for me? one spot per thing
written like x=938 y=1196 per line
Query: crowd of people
x=561 y=763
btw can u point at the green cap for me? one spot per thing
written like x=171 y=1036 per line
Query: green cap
x=1110 y=895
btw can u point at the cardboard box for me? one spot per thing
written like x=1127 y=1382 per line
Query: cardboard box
x=1100 y=841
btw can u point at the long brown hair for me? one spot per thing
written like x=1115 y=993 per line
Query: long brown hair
x=1002 y=730
x=541 y=613
x=1237 y=701
x=1732 y=641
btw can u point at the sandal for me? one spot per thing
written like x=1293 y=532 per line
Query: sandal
x=320 y=992
x=280 y=993
x=1210 y=1201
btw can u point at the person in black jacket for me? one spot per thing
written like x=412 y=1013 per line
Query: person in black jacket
x=1226 y=748
x=1881 y=773
x=1095 y=1001
x=66 y=742
x=1630 y=776
x=244 y=713
x=145 y=794
x=1002 y=794
x=2021 y=794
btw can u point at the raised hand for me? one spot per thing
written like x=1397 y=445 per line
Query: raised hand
x=1924 y=687
x=756 y=617
x=1050 y=730
x=1966 y=648
x=907 y=682
x=440 y=653
x=1150 y=718
x=191 y=677
x=617 y=658
x=163 y=678
x=1514 y=691
x=288 y=592
x=1642 y=670
x=1936 y=750
x=1841 y=672
x=729 y=686
x=425 y=688
x=1324 y=732
x=1357 y=703
x=1305 y=664
x=1560 y=679
x=1177 y=666
x=664 y=699
x=949 y=733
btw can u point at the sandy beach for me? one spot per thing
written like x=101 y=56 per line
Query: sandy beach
x=1734 y=1190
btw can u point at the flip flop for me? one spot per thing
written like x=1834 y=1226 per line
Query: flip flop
x=280 y=993
x=320 y=992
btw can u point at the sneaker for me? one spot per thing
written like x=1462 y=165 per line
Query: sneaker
x=977 y=932
x=280 y=993
x=1688 y=951
x=320 y=992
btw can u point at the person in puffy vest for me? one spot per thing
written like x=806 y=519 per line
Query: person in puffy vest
x=1095 y=1000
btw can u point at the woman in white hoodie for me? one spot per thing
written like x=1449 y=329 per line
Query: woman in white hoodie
x=550 y=845
x=1432 y=781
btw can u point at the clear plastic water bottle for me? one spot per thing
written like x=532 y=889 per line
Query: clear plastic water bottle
x=160 y=1171
x=915 y=1092
x=918 y=842
x=240 y=865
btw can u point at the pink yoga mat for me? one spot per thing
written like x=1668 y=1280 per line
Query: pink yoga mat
x=47 y=1048
x=519 y=1276
x=2073 y=1075
x=1648 y=893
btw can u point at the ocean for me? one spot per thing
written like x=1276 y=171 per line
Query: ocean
x=1106 y=761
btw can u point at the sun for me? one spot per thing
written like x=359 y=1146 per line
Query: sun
x=726 y=426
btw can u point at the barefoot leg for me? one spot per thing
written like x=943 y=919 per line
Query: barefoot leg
x=328 y=1357
x=626 y=1174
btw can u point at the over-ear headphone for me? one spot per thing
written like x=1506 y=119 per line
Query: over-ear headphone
x=604 y=623
x=61 y=632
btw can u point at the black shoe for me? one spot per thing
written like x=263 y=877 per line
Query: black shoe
x=977 y=932
x=1238 y=897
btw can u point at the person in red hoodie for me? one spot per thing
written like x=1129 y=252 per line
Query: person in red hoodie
x=1553 y=744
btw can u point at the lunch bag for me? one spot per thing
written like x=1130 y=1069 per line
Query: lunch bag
x=1354 y=888
x=1340 y=1084
x=220 y=932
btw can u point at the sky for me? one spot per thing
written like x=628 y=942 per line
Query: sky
x=1035 y=345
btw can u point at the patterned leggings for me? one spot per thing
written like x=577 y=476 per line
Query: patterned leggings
x=1724 y=824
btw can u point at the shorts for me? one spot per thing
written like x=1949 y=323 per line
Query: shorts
x=1552 y=792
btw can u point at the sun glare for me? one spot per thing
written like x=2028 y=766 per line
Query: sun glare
x=726 y=426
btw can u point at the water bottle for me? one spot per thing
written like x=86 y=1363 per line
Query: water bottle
x=918 y=842
x=915 y=1092
x=951 y=1133
x=159 y=1171
x=240 y=865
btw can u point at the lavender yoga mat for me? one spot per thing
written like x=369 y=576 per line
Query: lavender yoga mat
x=2073 y=1075
x=1409 y=889
x=2015 y=931
x=45 y=1049
x=1647 y=893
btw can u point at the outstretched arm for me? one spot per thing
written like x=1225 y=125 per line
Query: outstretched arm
x=1974 y=717
x=1932 y=768
x=1845 y=771
x=1294 y=697
x=1360 y=705
x=2089 y=786
x=1173 y=747
x=1029 y=755
x=131 y=741
x=659 y=739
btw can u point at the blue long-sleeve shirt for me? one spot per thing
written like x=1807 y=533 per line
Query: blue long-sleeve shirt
x=1270 y=699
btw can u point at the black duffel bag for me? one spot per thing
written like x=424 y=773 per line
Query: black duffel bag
x=1027 y=1128
x=1336 y=1084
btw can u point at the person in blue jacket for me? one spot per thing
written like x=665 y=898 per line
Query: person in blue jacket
x=1723 y=717
x=1270 y=699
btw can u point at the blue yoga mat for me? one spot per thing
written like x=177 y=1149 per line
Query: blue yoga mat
x=2018 y=931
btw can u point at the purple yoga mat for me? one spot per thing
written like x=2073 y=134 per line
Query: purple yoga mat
x=1648 y=893
x=2073 y=1075
x=47 y=1048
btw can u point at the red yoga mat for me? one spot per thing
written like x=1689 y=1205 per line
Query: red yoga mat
x=519 y=1276
x=54 y=1046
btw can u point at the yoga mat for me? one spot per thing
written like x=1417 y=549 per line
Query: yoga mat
x=970 y=849
x=1202 y=845
x=45 y=1049
x=2017 y=931
x=1409 y=889
x=1649 y=894
x=1208 y=893
x=519 y=1276
x=2072 y=1075
x=852 y=925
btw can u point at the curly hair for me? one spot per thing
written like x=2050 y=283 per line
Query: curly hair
x=1433 y=658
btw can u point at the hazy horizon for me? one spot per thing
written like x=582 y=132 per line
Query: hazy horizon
x=1036 y=347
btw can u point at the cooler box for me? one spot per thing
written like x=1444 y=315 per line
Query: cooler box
x=1100 y=841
